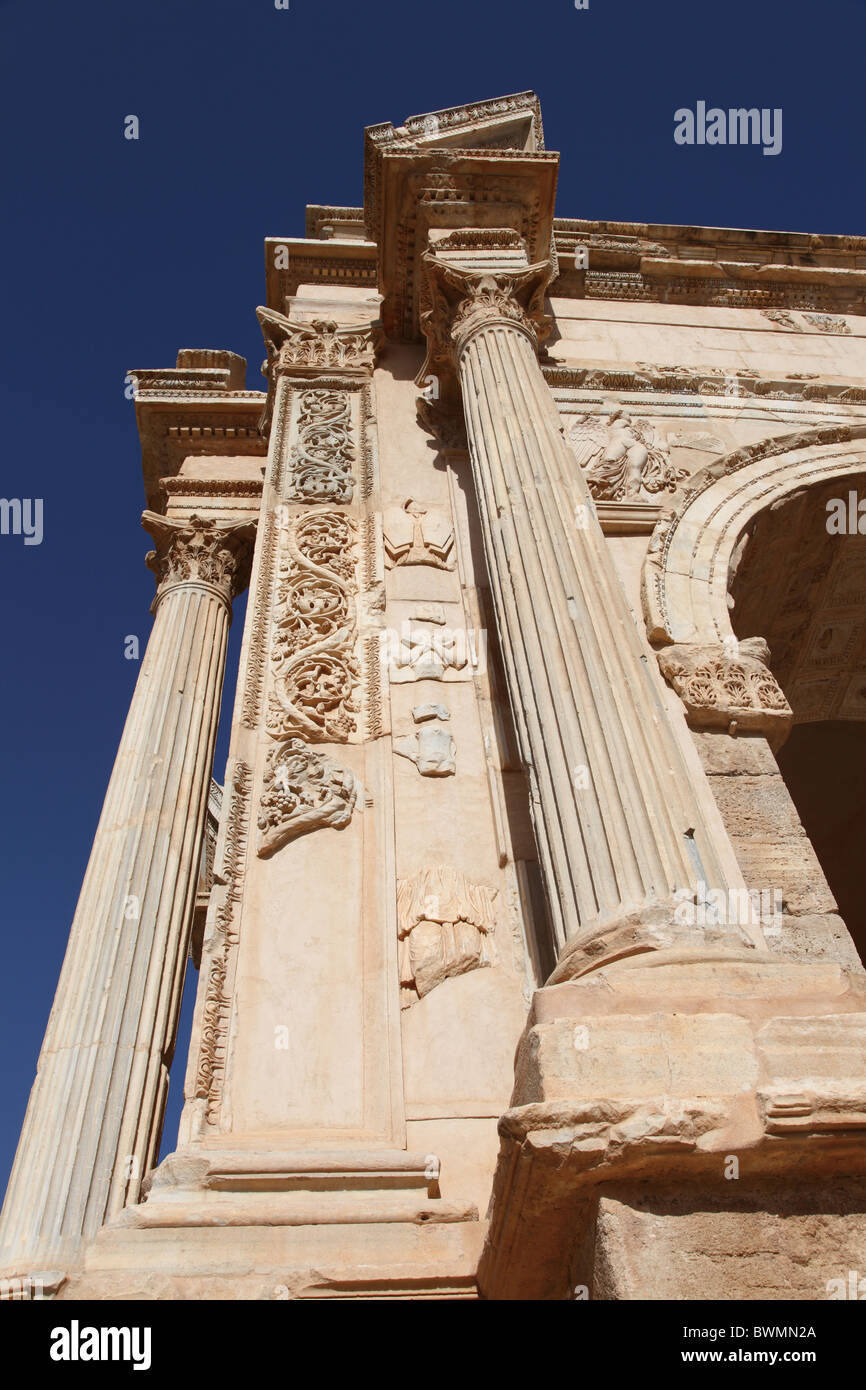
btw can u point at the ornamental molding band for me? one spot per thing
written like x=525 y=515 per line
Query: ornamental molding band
x=222 y=948
x=303 y=790
x=216 y=554
x=445 y=927
x=315 y=670
x=729 y=687
x=686 y=574
x=735 y=386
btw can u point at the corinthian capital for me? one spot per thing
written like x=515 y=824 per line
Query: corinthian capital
x=322 y=349
x=728 y=686
x=461 y=299
x=212 y=553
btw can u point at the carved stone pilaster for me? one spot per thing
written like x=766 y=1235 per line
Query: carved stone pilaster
x=323 y=349
x=215 y=555
x=730 y=687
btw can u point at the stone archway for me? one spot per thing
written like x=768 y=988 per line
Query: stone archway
x=760 y=618
x=803 y=588
x=685 y=581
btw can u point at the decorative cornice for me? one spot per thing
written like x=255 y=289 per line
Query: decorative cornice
x=477 y=127
x=704 y=381
x=320 y=216
x=215 y=555
x=212 y=487
x=711 y=265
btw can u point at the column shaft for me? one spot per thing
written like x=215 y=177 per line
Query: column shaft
x=616 y=822
x=93 y=1122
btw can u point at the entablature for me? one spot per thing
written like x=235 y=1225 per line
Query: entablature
x=199 y=407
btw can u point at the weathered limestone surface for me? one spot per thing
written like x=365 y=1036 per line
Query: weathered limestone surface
x=771 y=1241
x=530 y=618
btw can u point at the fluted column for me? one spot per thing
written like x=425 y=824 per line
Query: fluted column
x=618 y=826
x=93 y=1122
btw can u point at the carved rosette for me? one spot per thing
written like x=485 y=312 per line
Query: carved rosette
x=731 y=689
x=303 y=791
x=315 y=670
x=206 y=553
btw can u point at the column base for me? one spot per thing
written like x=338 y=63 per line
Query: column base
x=732 y=1077
x=285 y=1224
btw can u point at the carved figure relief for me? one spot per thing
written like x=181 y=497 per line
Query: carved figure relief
x=621 y=459
x=431 y=748
x=416 y=536
x=416 y=653
x=822 y=323
x=445 y=926
x=303 y=791
x=314 y=668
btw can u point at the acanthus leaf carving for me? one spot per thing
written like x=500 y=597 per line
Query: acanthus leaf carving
x=213 y=552
x=322 y=344
x=315 y=350
x=315 y=671
x=728 y=686
x=457 y=302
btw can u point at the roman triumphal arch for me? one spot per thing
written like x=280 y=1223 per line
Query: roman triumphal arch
x=519 y=921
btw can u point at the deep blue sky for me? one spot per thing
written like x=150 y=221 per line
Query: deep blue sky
x=116 y=253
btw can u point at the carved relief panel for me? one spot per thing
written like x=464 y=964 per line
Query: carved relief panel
x=445 y=926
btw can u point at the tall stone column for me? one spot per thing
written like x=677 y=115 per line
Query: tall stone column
x=93 y=1122
x=619 y=828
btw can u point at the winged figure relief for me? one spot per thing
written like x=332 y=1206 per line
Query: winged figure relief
x=621 y=458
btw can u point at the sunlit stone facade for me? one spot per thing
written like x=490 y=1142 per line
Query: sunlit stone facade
x=519 y=974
